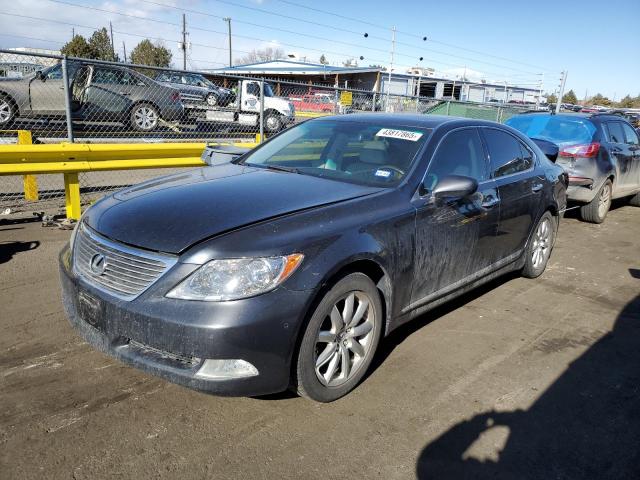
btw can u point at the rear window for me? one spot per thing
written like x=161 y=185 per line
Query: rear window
x=554 y=128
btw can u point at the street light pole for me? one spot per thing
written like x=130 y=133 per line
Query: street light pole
x=393 y=51
x=228 y=20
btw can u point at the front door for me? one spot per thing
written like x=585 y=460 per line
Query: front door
x=511 y=163
x=454 y=237
x=633 y=144
x=47 y=93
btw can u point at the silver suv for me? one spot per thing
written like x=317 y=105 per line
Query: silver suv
x=103 y=93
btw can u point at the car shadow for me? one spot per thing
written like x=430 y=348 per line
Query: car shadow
x=585 y=425
x=9 y=249
x=395 y=338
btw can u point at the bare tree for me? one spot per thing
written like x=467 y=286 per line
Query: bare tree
x=263 y=55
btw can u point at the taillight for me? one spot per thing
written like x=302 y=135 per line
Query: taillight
x=175 y=96
x=587 y=150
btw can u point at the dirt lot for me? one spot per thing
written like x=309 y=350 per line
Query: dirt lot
x=521 y=379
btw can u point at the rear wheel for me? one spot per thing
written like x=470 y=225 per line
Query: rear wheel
x=596 y=210
x=340 y=340
x=539 y=248
x=7 y=112
x=144 y=117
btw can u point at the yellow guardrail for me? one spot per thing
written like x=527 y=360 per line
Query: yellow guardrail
x=70 y=159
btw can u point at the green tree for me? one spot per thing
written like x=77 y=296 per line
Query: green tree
x=629 y=102
x=323 y=60
x=570 y=97
x=600 y=99
x=100 y=44
x=551 y=97
x=77 y=47
x=148 y=53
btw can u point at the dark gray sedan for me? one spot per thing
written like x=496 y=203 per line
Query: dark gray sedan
x=285 y=267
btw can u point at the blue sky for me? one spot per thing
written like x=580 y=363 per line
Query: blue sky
x=500 y=40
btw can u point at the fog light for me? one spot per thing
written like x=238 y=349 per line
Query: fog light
x=226 y=369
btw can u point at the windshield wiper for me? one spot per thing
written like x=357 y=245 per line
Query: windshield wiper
x=278 y=168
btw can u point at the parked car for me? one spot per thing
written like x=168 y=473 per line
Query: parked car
x=314 y=103
x=98 y=93
x=324 y=239
x=196 y=90
x=600 y=152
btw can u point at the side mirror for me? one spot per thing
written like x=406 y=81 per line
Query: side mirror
x=455 y=186
x=550 y=149
x=40 y=76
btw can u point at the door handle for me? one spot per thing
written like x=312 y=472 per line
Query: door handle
x=616 y=149
x=536 y=187
x=490 y=202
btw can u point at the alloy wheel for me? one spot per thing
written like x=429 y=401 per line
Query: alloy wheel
x=604 y=201
x=541 y=243
x=344 y=339
x=146 y=118
x=212 y=100
x=5 y=111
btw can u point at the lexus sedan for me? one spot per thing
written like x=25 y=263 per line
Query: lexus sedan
x=285 y=267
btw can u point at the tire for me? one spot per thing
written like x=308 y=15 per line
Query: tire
x=320 y=373
x=540 y=246
x=635 y=200
x=7 y=111
x=272 y=123
x=596 y=210
x=212 y=100
x=144 y=117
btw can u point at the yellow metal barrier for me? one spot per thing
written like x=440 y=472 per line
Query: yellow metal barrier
x=72 y=158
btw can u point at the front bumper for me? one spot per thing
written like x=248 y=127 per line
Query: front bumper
x=172 y=338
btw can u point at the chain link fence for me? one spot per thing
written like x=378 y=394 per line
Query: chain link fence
x=67 y=99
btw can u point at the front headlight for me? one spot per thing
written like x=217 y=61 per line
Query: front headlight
x=236 y=278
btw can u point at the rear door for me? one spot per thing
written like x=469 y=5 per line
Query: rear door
x=624 y=156
x=107 y=95
x=633 y=144
x=455 y=237
x=511 y=165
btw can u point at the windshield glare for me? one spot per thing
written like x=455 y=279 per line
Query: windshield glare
x=365 y=153
x=555 y=128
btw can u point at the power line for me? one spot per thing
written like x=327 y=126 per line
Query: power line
x=364 y=22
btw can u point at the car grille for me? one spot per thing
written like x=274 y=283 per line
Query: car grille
x=126 y=271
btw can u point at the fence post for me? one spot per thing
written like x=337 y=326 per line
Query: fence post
x=67 y=98
x=261 y=112
x=448 y=106
x=373 y=104
x=499 y=115
x=72 y=195
x=30 y=182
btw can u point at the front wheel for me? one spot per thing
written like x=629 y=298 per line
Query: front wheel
x=144 y=117
x=7 y=112
x=340 y=340
x=272 y=123
x=596 y=210
x=540 y=245
x=212 y=100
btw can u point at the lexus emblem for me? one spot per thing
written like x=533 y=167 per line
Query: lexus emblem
x=98 y=264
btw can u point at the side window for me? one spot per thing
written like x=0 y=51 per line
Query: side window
x=55 y=73
x=459 y=153
x=105 y=76
x=630 y=134
x=506 y=154
x=253 y=89
x=616 y=134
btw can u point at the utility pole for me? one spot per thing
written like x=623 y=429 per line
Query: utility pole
x=563 y=81
x=228 y=20
x=73 y=33
x=393 y=51
x=124 y=51
x=183 y=46
x=540 y=91
x=113 y=50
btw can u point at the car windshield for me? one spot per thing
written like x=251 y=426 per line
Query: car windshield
x=366 y=153
x=554 y=128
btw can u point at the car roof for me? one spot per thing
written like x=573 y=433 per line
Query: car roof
x=588 y=116
x=409 y=120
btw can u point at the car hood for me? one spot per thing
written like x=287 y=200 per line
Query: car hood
x=169 y=214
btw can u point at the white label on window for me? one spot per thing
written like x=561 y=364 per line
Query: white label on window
x=401 y=134
x=383 y=173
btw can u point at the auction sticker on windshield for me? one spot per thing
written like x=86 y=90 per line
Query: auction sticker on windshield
x=402 y=134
